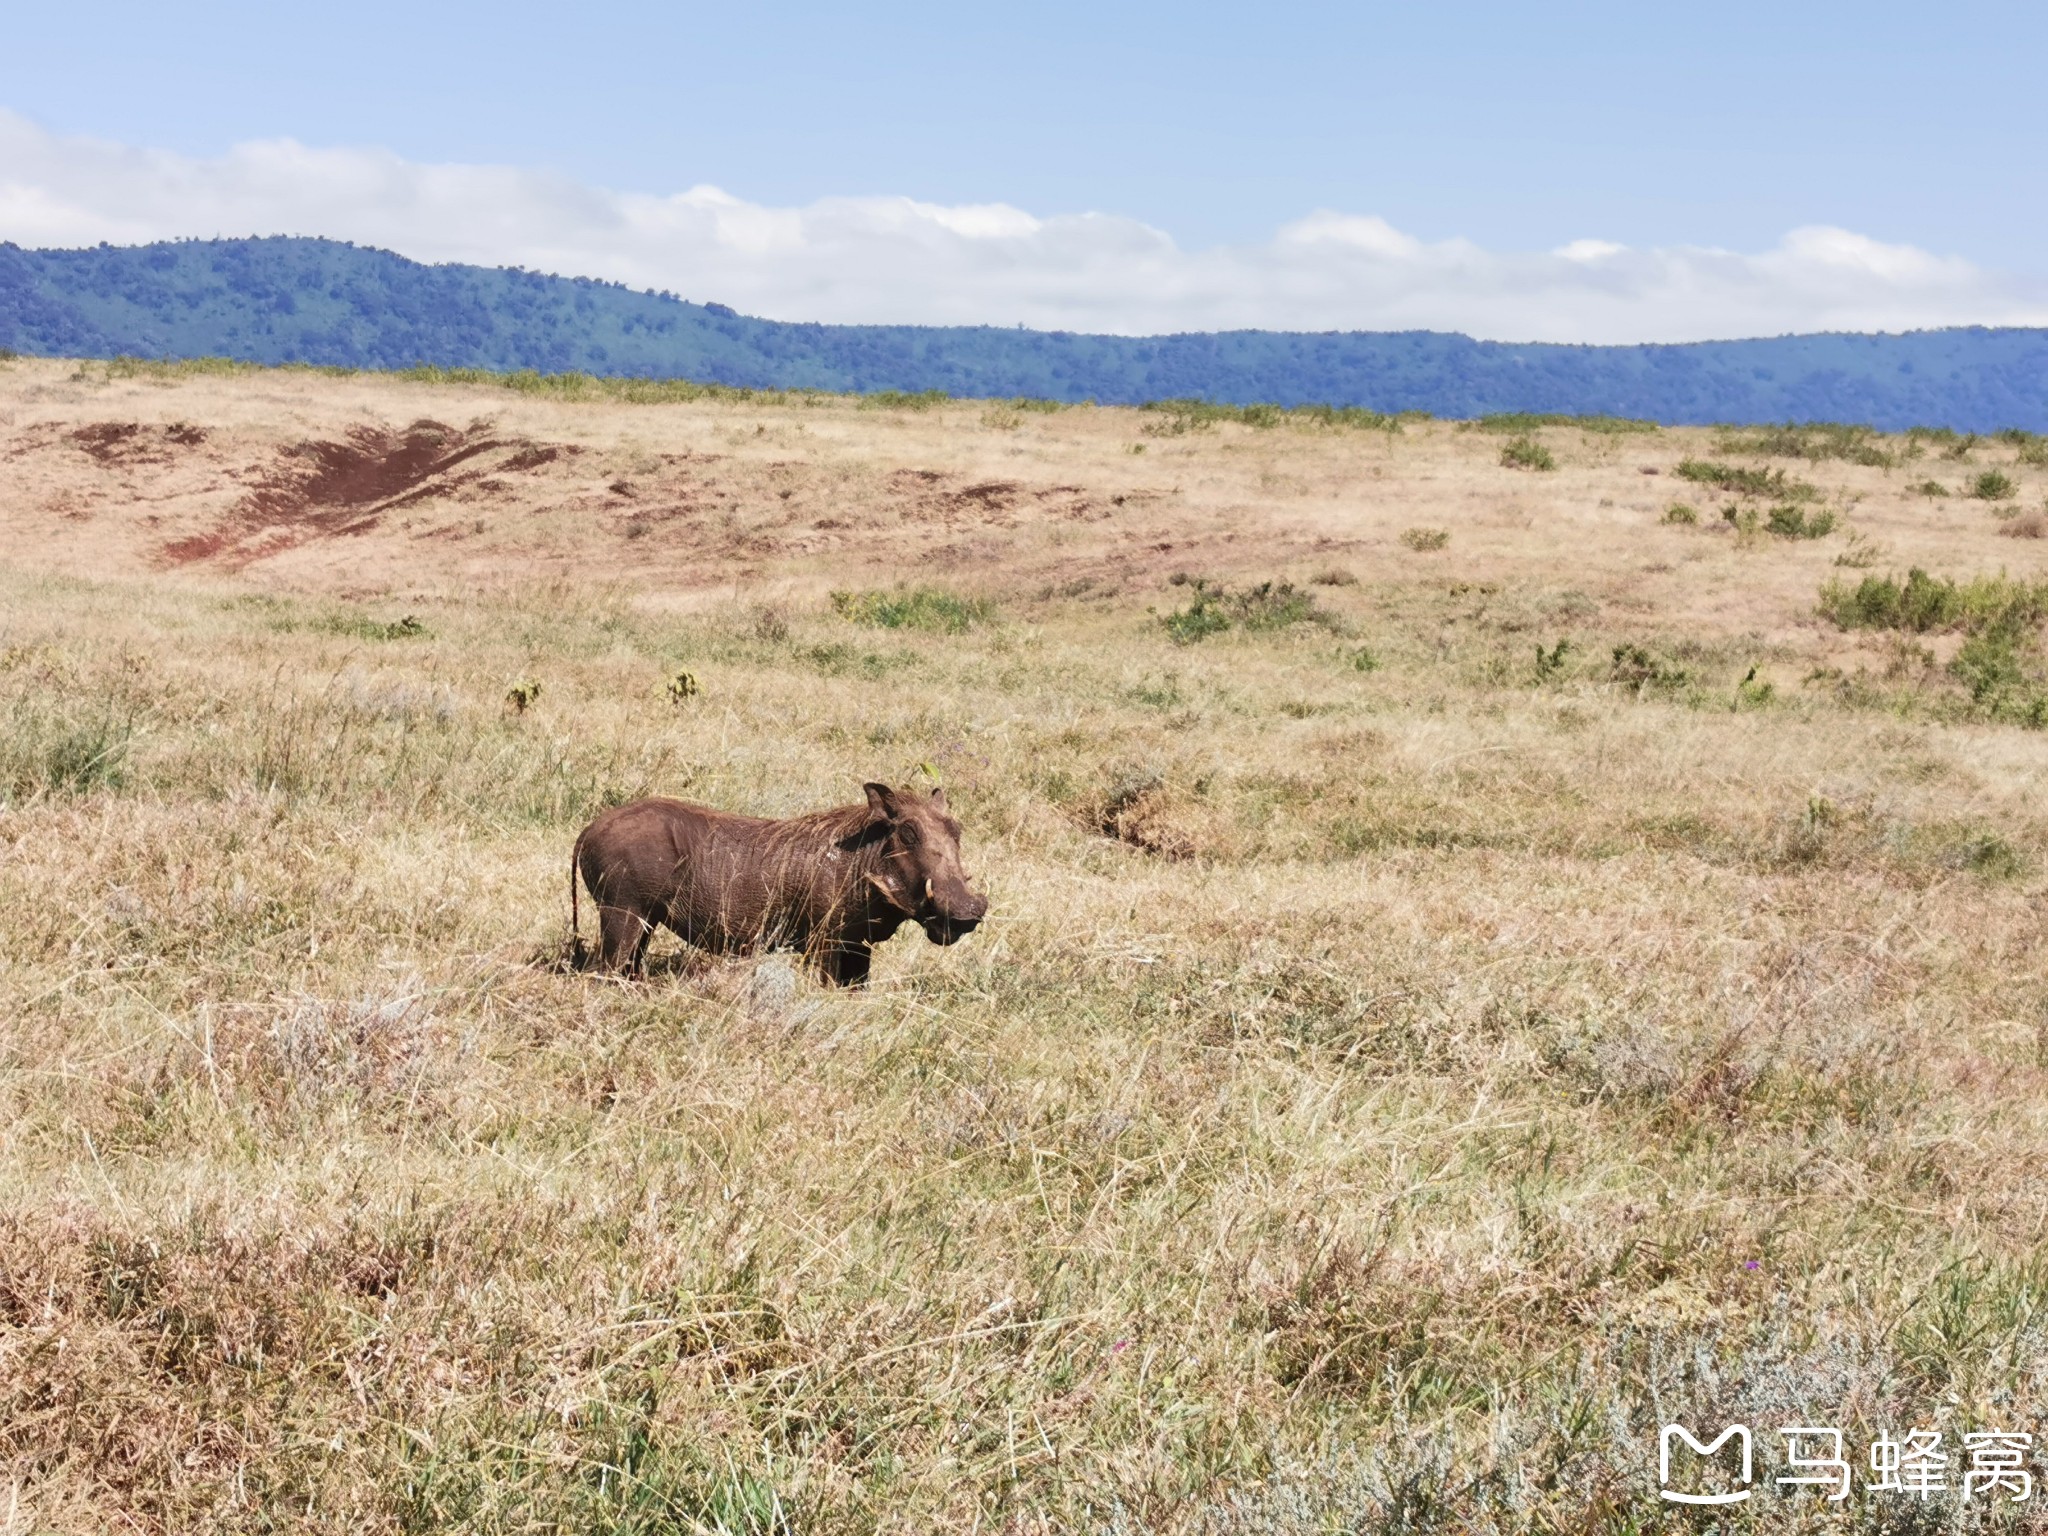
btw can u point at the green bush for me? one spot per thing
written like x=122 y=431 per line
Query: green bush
x=1933 y=490
x=1792 y=523
x=1267 y=606
x=914 y=608
x=360 y=628
x=1923 y=603
x=1743 y=481
x=900 y=400
x=1680 y=515
x=1423 y=540
x=1813 y=441
x=1525 y=422
x=1637 y=667
x=1184 y=416
x=1994 y=485
x=1526 y=453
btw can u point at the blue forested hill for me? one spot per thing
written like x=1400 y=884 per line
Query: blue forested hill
x=321 y=301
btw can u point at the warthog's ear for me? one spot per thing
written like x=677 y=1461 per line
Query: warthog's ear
x=939 y=797
x=881 y=801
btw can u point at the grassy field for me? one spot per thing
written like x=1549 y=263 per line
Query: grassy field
x=1482 y=963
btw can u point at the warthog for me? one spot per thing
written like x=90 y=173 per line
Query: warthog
x=832 y=884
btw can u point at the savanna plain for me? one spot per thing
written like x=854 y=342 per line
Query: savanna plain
x=1503 y=935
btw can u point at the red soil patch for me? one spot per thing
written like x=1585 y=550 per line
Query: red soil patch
x=130 y=442
x=338 y=488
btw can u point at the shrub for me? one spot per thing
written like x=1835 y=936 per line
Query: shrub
x=1638 y=668
x=360 y=628
x=899 y=400
x=522 y=695
x=2028 y=525
x=1743 y=481
x=1423 y=540
x=1335 y=576
x=1551 y=662
x=1269 y=605
x=1526 y=453
x=1680 y=515
x=914 y=608
x=1363 y=660
x=1183 y=416
x=1923 y=603
x=1932 y=489
x=1790 y=522
x=1814 y=441
x=683 y=686
x=1993 y=485
x=1525 y=422
x=1346 y=416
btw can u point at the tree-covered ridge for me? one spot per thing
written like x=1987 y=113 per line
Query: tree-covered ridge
x=283 y=300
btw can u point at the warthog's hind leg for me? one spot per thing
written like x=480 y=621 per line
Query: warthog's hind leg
x=622 y=938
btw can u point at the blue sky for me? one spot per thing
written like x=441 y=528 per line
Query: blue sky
x=1517 y=128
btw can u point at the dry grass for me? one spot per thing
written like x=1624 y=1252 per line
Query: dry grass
x=1382 y=1092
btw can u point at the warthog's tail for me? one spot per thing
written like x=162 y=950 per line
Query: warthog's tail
x=575 y=916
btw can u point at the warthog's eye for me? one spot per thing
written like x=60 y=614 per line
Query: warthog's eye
x=909 y=836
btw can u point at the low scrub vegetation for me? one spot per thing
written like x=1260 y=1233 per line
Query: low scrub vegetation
x=1815 y=441
x=903 y=400
x=1526 y=453
x=1790 y=522
x=1920 y=603
x=1742 y=480
x=1524 y=422
x=1213 y=608
x=929 y=608
x=1177 y=418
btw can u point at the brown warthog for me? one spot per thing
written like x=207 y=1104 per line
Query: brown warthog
x=832 y=884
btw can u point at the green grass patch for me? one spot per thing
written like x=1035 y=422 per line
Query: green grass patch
x=1270 y=605
x=1526 y=453
x=1790 y=522
x=1813 y=441
x=1177 y=418
x=902 y=400
x=1741 y=480
x=1529 y=421
x=931 y=608
x=1922 y=604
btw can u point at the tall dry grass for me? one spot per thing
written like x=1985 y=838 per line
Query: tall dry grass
x=1396 y=1076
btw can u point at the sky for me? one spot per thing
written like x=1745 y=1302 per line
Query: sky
x=1593 y=172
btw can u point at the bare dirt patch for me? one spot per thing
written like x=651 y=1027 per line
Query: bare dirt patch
x=337 y=488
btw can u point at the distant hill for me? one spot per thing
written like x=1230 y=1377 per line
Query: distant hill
x=321 y=301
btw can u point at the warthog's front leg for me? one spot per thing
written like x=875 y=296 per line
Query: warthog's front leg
x=846 y=965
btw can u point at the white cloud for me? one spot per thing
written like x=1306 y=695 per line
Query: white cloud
x=893 y=259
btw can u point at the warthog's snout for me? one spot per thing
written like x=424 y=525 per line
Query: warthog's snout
x=954 y=916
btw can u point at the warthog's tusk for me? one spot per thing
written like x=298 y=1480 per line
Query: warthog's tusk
x=927 y=887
